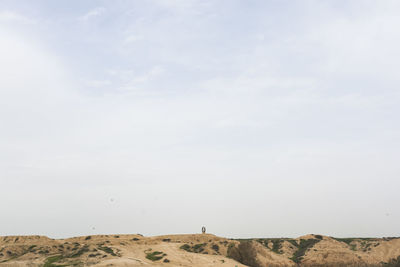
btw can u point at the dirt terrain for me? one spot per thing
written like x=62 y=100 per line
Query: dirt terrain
x=197 y=250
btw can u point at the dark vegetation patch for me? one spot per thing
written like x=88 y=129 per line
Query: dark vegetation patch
x=390 y=238
x=344 y=240
x=80 y=252
x=51 y=260
x=215 y=247
x=155 y=255
x=32 y=248
x=198 y=248
x=349 y=240
x=54 y=261
x=304 y=245
x=293 y=242
x=245 y=253
x=186 y=247
x=366 y=244
x=166 y=240
x=108 y=250
x=393 y=262
x=13 y=257
x=44 y=251
x=94 y=255
x=276 y=243
x=349 y=265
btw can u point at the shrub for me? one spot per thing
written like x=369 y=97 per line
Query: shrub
x=185 y=247
x=154 y=256
x=276 y=246
x=107 y=250
x=345 y=240
x=393 y=262
x=80 y=252
x=215 y=247
x=304 y=245
x=248 y=254
x=199 y=247
x=293 y=242
x=50 y=260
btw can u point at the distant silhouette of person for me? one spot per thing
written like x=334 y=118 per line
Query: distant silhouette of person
x=203 y=230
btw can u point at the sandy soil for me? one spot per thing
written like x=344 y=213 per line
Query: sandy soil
x=192 y=250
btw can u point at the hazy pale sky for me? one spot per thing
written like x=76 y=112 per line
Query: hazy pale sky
x=253 y=118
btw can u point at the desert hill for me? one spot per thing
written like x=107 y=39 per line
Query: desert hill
x=197 y=250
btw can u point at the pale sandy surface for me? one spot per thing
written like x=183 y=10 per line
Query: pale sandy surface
x=203 y=250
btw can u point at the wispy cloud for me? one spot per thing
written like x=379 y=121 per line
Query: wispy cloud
x=10 y=16
x=98 y=83
x=177 y=4
x=133 y=38
x=92 y=14
x=255 y=99
x=130 y=81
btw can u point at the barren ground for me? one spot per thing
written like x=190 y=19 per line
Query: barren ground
x=197 y=250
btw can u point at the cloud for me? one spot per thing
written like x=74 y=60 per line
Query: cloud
x=132 y=81
x=98 y=11
x=249 y=101
x=177 y=4
x=34 y=98
x=9 y=16
x=98 y=83
x=133 y=38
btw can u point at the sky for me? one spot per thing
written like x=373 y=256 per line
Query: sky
x=253 y=118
